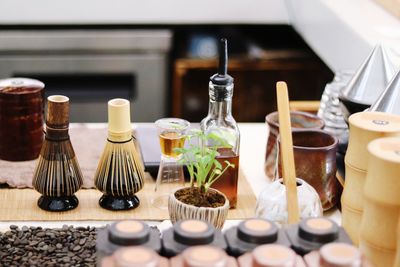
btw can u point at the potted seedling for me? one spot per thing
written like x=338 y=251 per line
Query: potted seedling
x=199 y=200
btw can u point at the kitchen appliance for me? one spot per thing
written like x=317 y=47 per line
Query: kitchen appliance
x=91 y=66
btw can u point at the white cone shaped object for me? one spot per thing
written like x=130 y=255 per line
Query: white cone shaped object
x=389 y=100
x=371 y=78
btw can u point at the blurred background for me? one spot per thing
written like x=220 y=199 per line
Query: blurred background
x=160 y=54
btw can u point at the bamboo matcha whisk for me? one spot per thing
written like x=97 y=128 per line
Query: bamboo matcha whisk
x=120 y=172
x=57 y=175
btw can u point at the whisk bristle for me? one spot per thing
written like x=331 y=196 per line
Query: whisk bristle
x=120 y=172
x=57 y=171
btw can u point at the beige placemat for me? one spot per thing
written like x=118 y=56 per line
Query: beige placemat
x=20 y=205
x=88 y=144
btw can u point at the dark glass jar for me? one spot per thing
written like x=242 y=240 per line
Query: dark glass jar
x=251 y=233
x=203 y=256
x=312 y=233
x=188 y=233
x=127 y=233
x=271 y=255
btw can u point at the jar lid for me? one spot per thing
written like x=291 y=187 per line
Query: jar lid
x=8 y=85
x=321 y=230
x=387 y=148
x=129 y=232
x=107 y=261
x=204 y=256
x=258 y=231
x=340 y=254
x=136 y=257
x=375 y=121
x=193 y=232
x=272 y=255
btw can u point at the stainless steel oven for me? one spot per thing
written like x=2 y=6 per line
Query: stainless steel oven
x=93 y=66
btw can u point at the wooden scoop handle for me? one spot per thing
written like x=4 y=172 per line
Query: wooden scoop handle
x=286 y=149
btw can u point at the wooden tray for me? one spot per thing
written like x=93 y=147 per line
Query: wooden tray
x=20 y=205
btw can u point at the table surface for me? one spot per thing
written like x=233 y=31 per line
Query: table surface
x=252 y=154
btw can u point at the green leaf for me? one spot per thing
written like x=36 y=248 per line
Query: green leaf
x=229 y=164
x=217 y=164
x=200 y=159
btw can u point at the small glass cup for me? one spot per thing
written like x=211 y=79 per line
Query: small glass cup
x=172 y=134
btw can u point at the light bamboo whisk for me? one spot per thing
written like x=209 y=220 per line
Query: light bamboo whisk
x=120 y=171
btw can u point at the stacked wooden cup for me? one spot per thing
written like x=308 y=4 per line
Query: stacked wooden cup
x=397 y=260
x=364 y=128
x=378 y=239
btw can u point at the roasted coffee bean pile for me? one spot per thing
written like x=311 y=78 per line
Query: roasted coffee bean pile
x=34 y=246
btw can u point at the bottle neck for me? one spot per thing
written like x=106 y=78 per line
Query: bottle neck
x=220 y=109
x=220 y=105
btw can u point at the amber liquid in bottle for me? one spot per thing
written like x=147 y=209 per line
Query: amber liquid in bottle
x=228 y=182
x=169 y=141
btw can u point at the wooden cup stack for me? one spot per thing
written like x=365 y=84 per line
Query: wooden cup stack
x=378 y=239
x=21 y=118
x=397 y=260
x=364 y=127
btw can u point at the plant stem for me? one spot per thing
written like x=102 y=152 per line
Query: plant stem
x=210 y=182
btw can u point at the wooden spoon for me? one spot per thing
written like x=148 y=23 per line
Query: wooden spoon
x=286 y=149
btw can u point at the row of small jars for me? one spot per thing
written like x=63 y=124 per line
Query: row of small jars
x=254 y=242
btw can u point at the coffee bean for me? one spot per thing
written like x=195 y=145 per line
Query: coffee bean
x=8 y=234
x=34 y=246
x=82 y=241
x=51 y=235
x=41 y=234
x=33 y=243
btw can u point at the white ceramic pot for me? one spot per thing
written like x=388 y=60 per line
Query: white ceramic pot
x=182 y=211
x=271 y=203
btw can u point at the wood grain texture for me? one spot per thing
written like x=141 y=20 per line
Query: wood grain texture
x=57 y=111
x=289 y=172
x=20 y=205
x=21 y=122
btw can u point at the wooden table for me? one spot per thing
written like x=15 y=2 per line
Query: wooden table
x=252 y=155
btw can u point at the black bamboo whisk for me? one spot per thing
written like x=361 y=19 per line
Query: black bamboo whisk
x=57 y=175
x=120 y=172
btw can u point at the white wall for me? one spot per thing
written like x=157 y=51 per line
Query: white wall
x=142 y=11
x=343 y=32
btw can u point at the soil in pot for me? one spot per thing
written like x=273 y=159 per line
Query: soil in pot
x=193 y=196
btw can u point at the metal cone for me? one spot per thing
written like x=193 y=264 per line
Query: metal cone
x=371 y=78
x=389 y=100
